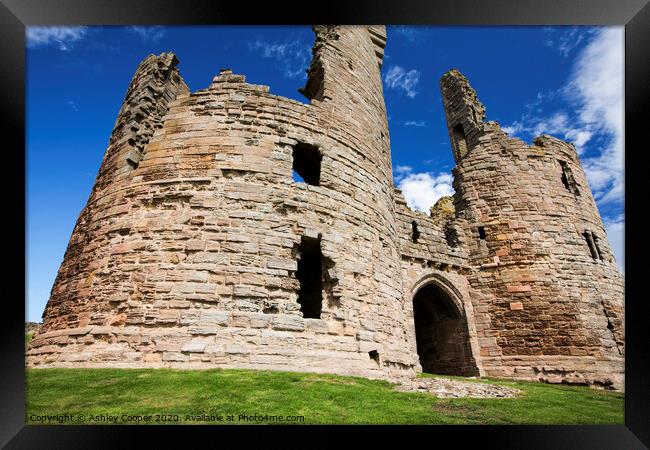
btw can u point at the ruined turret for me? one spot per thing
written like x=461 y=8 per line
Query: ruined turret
x=198 y=249
x=544 y=271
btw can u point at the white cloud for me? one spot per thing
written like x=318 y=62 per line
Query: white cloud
x=422 y=190
x=63 y=37
x=398 y=78
x=413 y=123
x=407 y=32
x=597 y=83
x=402 y=170
x=557 y=124
x=579 y=137
x=149 y=34
x=73 y=105
x=294 y=56
x=595 y=90
x=564 y=39
x=512 y=129
x=616 y=236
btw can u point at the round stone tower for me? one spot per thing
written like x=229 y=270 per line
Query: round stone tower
x=198 y=248
x=548 y=293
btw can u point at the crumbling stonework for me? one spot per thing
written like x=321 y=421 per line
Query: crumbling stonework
x=197 y=249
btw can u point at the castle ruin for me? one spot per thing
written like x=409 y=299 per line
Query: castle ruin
x=197 y=249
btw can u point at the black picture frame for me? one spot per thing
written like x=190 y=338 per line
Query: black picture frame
x=15 y=15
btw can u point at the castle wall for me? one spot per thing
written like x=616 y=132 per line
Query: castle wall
x=548 y=307
x=190 y=250
x=192 y=254
x=435 y=256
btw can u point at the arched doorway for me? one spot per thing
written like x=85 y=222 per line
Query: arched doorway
x=441 y=333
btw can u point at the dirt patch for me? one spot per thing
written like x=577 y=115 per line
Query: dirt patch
x=310 y=380
x=447 y=408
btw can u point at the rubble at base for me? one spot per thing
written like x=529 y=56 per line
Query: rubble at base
x=448 y=388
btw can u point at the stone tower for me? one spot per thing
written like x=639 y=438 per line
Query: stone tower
x=545 y=275
x=198 y=247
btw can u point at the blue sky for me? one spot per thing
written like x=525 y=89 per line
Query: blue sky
x=564 y=81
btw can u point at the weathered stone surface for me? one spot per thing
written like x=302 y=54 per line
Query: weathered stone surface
x=210 y=317
x=188 y=251
x=289 y=323
x=194 y=347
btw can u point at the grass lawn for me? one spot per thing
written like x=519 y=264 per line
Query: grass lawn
x=321 y=399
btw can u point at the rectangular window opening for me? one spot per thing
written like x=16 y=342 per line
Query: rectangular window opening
x=374 y=355
x=306 y=164
x=481 y=233
x=310 y=277
x=415 y=234
x=451 y=236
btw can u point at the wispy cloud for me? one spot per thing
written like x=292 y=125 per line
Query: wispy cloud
x=398 y=78
x=294 y=56
x=413 y=123
x=407 y=32
x=63 y=37
x=149 y=34
x=402 y=171
x=73 y=105
x=557 y=124
x=414 y=34
x=595 y=124
x=565 y=39
x=597 y=84
x=422 y=189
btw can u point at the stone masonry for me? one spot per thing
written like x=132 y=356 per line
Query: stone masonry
x=198 y=249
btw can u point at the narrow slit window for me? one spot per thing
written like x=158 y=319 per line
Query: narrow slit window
x=600 y=253
x=415 y=233
x=310 y=277
x=460 y=142
x=481 y=233
x=306 y=164
x=591 y=244
x=374 y=355
x=567 y=179
x=451 y=236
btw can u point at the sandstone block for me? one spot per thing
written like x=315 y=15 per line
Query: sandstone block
x=203 y=330
x=214 y=317
x=288 y=323
x=523 y=288
x=194 y=347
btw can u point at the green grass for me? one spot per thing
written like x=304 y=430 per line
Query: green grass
x=321 y=399
x=28 y=337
